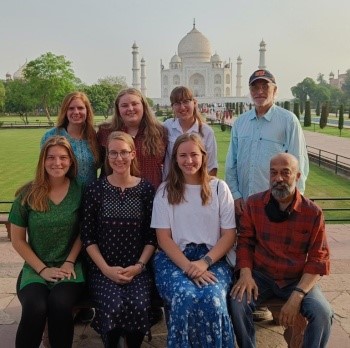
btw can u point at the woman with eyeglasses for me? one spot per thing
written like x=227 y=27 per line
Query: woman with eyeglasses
x=45 y=232
x=188 y=120
x=133 y=115
x=117 y=236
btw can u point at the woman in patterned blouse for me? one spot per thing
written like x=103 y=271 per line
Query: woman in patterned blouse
x=117 y=236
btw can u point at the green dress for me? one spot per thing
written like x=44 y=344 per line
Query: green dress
x=51 y=234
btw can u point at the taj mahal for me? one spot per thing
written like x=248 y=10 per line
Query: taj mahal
x=210 y=78
x=194 y=65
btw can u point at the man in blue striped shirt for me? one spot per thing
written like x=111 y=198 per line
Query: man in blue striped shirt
x=258 y=135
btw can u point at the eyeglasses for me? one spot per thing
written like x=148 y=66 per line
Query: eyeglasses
x=264 y=87
x=185 y=102
x=123 y=154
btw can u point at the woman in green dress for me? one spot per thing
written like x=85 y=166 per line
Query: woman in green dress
x=45 y=232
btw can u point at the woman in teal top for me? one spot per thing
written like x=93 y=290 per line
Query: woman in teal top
x=52 y=279
x=75 y=122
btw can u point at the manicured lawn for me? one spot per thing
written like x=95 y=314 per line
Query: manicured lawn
x=19 y=152
x=345 y=133
x=18 y=157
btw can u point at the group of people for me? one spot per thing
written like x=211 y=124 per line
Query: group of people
x=158 y=216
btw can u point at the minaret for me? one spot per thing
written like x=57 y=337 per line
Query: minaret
x=143 y=77
x=262 y=55
x=135 y=67
x=239 y=77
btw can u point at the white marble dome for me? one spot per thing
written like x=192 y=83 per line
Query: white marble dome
x=175 y=59
x=194 y=46
x=215 y=58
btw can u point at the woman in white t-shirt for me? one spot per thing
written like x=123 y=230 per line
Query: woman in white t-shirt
x=188 y=120
x=193 y=214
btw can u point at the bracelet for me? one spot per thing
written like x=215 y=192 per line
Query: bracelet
x=72 y=262
x=300 y=290
x=42 y=270
x=142 y=265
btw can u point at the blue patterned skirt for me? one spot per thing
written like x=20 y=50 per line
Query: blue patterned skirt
x=198 y=317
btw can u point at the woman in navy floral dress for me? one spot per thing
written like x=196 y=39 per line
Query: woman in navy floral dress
x=117 y=236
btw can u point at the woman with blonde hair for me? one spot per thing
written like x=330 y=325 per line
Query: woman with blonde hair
x=193 y=214
x=76 y=122
x=188 y=120
x=133 y=115
x=117 y=236
x=45 y=232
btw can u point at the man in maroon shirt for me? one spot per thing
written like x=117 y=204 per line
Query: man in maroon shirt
x=282 y=251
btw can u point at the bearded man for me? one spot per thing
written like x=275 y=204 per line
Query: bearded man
x=282 y=252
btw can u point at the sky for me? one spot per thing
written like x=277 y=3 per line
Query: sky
x=303 y=37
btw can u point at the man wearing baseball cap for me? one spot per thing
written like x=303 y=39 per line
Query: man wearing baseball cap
x=258 y=135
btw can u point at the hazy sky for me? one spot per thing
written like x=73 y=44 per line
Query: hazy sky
x=303 y=37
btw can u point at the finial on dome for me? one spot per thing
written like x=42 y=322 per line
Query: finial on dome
x=194 y=23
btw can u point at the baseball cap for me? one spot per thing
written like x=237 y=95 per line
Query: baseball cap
x=262 y=74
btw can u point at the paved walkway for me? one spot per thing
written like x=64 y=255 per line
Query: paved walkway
x=336 y=145
x=336 y=286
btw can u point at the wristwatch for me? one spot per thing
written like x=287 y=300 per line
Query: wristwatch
x=208 y=260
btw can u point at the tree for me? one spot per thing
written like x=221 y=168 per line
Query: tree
x=318 y=109
x=103 y=94
x=296 y=110
x=286 y=105
x=307 y=116
x=304 y=89
x=2 y=96
x=320 y=79
x=19 y=98
x=324 y=115
x=341 y=118
x=50 y=77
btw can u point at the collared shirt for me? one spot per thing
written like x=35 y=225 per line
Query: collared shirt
x=208 y=138
x=150 y=166
x=283 y=250
x=254 y=141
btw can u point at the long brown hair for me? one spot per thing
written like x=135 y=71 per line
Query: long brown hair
x=154 y=132
x=36 y=192
x=127 y=139
x=181 y=93
x=175 y=183
x=89 y=132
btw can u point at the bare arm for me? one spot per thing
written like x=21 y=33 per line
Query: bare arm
x=68 y=265
x=20 y=244
x=223 y=245
x=291 y=308
x=167 y=244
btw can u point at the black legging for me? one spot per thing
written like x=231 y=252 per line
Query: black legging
x=40 y=304
x=133 y=339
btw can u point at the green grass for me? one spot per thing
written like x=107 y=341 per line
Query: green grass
x=20 y=151
x=18 y=157
x=345 y=133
